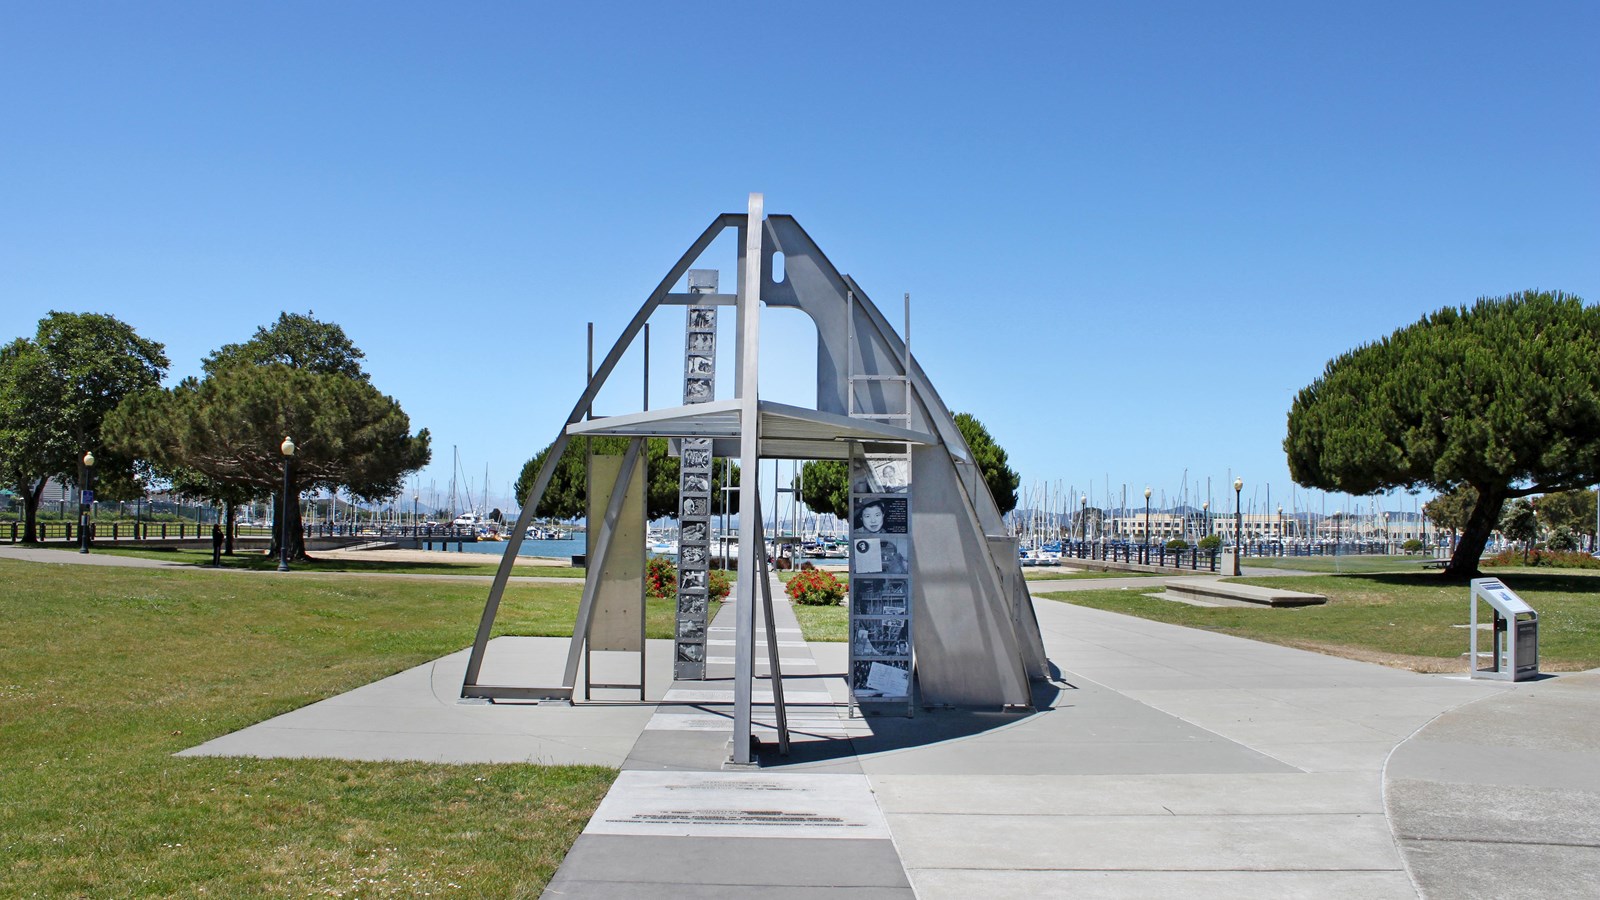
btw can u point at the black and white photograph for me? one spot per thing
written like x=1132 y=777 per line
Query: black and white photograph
x=691 y=579
x=701 y=318
x=696 y=390
x=874 y=556
x=691 y=631
x=878 y=596
x=882 y=516
x=879 y=475
x=691 y=652
x=696 y=484
x=692 y=556
x=692 y=533
x=696 y=459
x=695 y=506
x=881 y=678
x=698 y=365
x=702 y=342
x=880 y=637
x=691 y=606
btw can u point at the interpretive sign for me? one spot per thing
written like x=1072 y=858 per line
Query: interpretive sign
x=880 y=576
x=618 y=622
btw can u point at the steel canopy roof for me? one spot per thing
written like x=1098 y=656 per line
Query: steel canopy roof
x=786 y=432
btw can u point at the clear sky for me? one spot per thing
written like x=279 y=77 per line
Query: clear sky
x=1131 y=232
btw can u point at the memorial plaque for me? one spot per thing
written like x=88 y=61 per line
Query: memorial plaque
x=694 y=486
x=880 y=577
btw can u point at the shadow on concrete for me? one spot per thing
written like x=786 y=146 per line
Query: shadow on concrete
x=927 y=725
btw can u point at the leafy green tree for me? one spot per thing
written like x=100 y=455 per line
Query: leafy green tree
x=565 y=496
x=1519 y=523
x=1503 y=397
x=55 y=393
x=826 y=482
x=297 y=341
x=992 y=461
x=221 y=435
x=1449 y=511
x=1211 y=542
x=1572 y=510
x=824 y=486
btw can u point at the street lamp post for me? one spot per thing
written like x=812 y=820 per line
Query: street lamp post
x=287 y=449
x=1083 y=518
x=1205 y=514
x=1283 y=536
x=414 y=499
x=85 y=497
x=1147 y=524
x=1238 y=523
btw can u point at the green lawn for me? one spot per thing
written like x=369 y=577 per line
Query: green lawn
x=1058 y=575
x=105 y=673
x=468 y=564
x=823 y=623
x=1405 y=619
x=1341 y=565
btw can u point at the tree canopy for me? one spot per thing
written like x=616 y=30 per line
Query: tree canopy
x=824 y=483
x=1503 y=396
x=992 y=460
x=297 y=341
x=1572 y=510
x=567 y=492
x=55 y=393
x=1449 y=511
x=220 y=436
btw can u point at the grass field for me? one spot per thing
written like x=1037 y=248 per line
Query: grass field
x=106 y=672
x=1058 y=575
x=1407 y=619
x=470 y=563
x=1341 y=565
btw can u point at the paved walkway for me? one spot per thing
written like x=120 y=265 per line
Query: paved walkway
x=1164 y=762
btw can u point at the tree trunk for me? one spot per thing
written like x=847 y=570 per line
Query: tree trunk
x=297 y=533
x=1475 y=536
x=30 y=509
x=228 y=514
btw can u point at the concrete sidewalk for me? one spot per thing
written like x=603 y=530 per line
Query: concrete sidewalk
x=1164 y=761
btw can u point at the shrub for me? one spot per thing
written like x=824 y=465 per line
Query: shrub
x=1412 y=546
x=1177 y=544
x=815 y=588
x=1558 y=559
x=718 y=585
x=660 y=579
x=1211 y=542
x=1563 y=539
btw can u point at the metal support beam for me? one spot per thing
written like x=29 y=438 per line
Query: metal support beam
x=502 y=574
x=751 y=551
x=774 y=663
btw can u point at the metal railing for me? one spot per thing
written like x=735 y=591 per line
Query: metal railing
x=143 y=532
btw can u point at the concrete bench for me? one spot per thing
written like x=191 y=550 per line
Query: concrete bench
x=1248 y=593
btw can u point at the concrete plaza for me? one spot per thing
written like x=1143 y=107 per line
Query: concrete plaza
x=1163 y=761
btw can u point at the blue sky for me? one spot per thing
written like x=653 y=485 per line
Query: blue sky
x=1131 y=232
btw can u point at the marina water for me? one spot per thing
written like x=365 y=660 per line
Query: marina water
x=554 y=549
